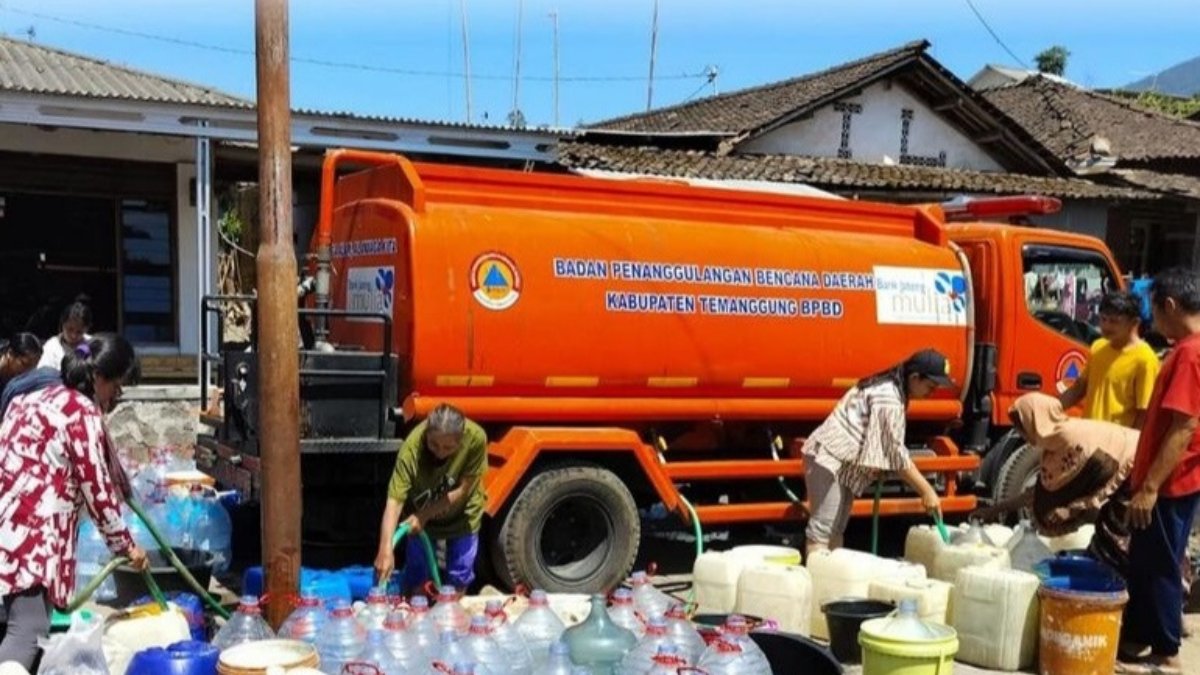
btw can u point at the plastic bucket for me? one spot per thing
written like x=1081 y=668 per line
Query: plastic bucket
x=254 y=658
x=885 y=656
x=844 y=618
x=181 y=658
x=1081 y=606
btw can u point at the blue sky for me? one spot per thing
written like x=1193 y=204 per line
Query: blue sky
x=750 y=42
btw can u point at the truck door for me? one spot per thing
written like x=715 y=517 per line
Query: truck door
x=1055 y=318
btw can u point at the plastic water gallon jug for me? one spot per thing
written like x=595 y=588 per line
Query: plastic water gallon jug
x=666 y=661
x=772 y=555
x=182 y=658
x=624 y=614
x=641 y=658
x=342 y=640
x=448 y=613
x=844 y=573
x=92 y=554
x=995 y=612
x=1026 y=549
x=557 y=661
x=246 y=625
x=540 y=627
x=421 y=623
x=955 y=557
x=452 y=649
x=374 y=613
x=403 y=642
x=779 y=592
x=377 y=656
x=931 y=595
x=905 y=643
x=998 y=534
x=484 y=649
x=715 y=577
x=599 y=643
x=646 y=598
x=306 y=621
x=734 y=653
x=520 y=660
x=921 y=546
x=1079 y=539
x=683 y=634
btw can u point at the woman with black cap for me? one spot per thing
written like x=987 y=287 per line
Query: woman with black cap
x=862 y=439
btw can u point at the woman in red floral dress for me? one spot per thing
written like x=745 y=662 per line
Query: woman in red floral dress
x=56 y=457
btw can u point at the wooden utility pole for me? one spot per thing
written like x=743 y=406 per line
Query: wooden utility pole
x=278 y=337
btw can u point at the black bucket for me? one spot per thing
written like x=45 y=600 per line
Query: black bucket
x=787 y=653
x=131 y=585
x=844 y=618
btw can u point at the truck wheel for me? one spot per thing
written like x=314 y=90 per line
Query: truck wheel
x=997 y=455
x=1019 y=473
x=572 y=529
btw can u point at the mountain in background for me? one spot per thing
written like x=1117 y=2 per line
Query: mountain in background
x=1181 y=79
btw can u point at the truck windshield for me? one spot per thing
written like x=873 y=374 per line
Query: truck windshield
x=1063 y=288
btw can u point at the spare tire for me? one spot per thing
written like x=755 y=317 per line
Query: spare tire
x=572 y=529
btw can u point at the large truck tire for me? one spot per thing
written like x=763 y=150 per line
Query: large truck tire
x=997 y=455
x=1019 y=472
x=572 y=529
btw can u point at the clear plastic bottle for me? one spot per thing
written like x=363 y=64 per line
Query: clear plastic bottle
x=599 y=643
x=306 y=621
x=452 y=649
x=376 y=654
x=684 y=635
x=666 y=661
x=505 y=634
x=448 y=613
x=484 y=648
x=540 y=627
x=647 y=599
x=624 y=614
x=558 y=660
x=464 y=669
x=1026 y=549
x=734 y=653
x=402 y=642
x=246 y=625
x=213 y=528
x=342 y=640
x=421 y=624
x=641 y=658
x=91 y=555
x=375 y=612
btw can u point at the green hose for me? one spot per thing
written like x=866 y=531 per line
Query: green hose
x=695 y=525
x=875 y=518
x=90 y=588
x=941 y=527
x=177 y=563
x=430 y=558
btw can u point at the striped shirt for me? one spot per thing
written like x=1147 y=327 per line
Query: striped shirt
x=862 y=437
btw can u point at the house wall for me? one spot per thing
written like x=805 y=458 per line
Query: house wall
x=875 y=132
x=1081 y=217
x=142 y=148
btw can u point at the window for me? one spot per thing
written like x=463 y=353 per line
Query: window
x=147 y=272
x=1063 y=289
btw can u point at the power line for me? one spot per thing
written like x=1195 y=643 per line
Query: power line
x=340 y=64
x=994 y=35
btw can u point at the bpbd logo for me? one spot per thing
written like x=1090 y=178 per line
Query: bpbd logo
x=954 y=288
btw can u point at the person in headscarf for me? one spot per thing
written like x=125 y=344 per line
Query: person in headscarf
x=1083 y=463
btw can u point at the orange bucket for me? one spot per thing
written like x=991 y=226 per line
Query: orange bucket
x=1080 y=631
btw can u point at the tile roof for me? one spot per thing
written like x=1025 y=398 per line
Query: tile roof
x=829 y=173
x=1065 y=119
x=1167 y=183
x=744 y=110
x=33 y=68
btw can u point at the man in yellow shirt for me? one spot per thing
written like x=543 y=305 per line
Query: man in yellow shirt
x=1118 y=381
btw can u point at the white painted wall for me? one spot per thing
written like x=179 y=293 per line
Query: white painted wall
x=137 y=147
x=1082 y=217
x=875 y=132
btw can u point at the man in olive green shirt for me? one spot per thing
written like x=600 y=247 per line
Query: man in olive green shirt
x=438 y=484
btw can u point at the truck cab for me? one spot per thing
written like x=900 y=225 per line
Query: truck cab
x=1037 y=295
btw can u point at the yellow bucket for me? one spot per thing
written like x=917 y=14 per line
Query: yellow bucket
x=882 y=655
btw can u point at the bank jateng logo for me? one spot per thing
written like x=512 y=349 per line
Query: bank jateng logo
x=385 y=282
x=954 y=287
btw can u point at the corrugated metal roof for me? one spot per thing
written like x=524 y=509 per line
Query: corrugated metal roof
x=38 y=69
